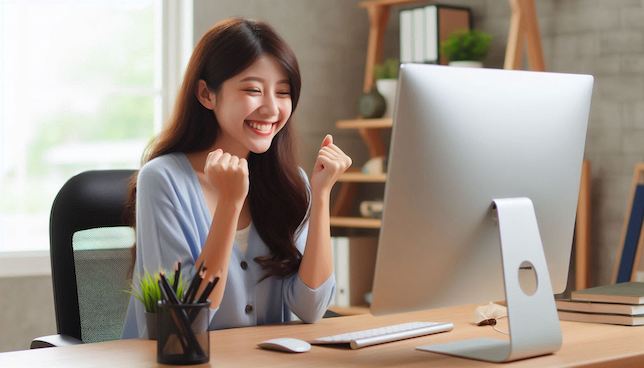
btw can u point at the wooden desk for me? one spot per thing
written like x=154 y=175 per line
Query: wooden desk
x=592 y=345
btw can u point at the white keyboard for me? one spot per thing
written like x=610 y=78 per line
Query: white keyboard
x=381 y=335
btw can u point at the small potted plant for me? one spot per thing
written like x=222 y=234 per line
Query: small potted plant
x=386 y=76
x=466 y=48
x=148 y=293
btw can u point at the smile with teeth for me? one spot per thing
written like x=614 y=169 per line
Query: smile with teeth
x=260 y=126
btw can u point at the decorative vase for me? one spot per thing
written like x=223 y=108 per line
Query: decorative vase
x=387 y=88
x=466 y=64
x=371 y=209
x=151 y=322
x=371 y=105
x=375 y=166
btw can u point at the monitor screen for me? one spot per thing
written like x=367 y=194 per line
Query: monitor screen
x=461 y=138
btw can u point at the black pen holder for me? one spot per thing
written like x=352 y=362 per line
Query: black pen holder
x=182 y=333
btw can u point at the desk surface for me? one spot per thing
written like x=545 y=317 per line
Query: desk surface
x=583 y=345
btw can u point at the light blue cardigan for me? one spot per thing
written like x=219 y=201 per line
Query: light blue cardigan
x=173 y=221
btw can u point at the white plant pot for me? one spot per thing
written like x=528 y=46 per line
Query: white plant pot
x=387 y=88
x=466 y=64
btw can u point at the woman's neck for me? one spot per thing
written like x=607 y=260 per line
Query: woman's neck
x=229 y=145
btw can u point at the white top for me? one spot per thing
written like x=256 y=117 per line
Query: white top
x=241 y=239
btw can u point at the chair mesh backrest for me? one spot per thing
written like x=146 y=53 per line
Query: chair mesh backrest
x=102 y=257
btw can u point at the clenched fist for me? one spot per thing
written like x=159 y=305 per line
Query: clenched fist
x=228 y=175
x=329 y=165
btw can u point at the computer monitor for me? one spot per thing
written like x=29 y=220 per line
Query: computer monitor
x=461 y=138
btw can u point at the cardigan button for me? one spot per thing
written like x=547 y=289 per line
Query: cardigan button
x=249 y=308
x=244 y=265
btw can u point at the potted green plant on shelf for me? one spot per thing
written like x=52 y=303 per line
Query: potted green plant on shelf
x=386 y=76
x=466 y=48
x=147 y=291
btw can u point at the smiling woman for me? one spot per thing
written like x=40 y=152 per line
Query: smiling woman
x=221 y=186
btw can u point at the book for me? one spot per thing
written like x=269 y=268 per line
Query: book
x=594 y=307
x=630 y=248
x=342 y=271
x=613 y=319
x=440 y=22
x=419 y=35
x=406 y=42
x=422 y=29
x=431 y=32
x=624 y=293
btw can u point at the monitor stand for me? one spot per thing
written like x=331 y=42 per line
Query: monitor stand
x=532 y=319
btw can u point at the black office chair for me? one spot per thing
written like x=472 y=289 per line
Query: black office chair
x=90 y=247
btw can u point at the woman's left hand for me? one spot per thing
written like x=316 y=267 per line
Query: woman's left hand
x=329 y=165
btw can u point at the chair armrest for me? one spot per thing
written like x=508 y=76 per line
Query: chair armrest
x=53 y=341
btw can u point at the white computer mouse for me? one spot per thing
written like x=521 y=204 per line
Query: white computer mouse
x=287 y=344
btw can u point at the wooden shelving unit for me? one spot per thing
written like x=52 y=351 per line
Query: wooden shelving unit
x=370 y=131
x=523 y=34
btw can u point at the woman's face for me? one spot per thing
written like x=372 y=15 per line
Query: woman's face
x=252 y=107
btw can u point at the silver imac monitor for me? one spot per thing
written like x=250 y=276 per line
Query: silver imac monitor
x=463 y=137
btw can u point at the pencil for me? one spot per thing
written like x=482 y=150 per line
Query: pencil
x=177 y=275
x=204 y=297
x=175 y=318
x=206 y=292
x=190 y=288
x=163 y=294
x=172 y=296
x=193 y=283
x=183 y=322
x=193 y=295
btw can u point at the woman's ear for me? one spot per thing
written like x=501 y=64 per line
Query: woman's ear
x=204 y=95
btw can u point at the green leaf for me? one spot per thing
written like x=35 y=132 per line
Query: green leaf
x=147 y=289
x=466 y=45
x=387 y=70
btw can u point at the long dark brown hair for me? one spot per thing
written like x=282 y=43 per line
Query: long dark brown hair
x=278 y=197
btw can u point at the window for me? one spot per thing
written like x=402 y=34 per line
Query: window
x=80 y=89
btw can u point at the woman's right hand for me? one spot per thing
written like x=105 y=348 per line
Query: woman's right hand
x=228 y=175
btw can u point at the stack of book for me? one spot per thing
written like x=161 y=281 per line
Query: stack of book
x=423 y=29
x=619 y=304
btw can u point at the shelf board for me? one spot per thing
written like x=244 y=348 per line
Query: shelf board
x=364 y=123
x=358 y=222
x=359 y=177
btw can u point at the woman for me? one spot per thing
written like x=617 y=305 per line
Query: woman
x=221 y=186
